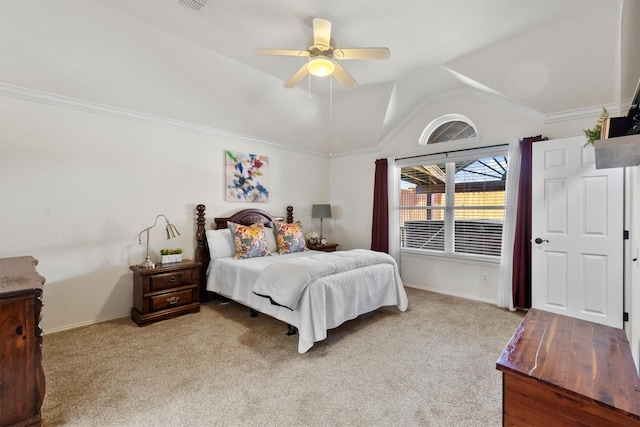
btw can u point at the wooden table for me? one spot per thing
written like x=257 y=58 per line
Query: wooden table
x=327 y=247
x=558 y=370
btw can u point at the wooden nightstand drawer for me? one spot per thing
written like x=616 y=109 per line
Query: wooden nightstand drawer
x=176 y=279
x=171 y=299
x=166 y=291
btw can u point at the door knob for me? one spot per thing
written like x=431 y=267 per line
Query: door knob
x=540 y=241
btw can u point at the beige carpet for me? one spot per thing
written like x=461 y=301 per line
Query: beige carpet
x=433 y=365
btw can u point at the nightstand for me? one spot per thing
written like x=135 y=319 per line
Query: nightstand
x=166 y=291
x=327 y=247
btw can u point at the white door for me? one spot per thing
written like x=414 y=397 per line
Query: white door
x=577 y=233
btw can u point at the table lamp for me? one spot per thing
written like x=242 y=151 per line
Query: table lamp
x=171 y=233
x=321 y=211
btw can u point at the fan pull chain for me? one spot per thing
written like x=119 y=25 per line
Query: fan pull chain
x=331 y=106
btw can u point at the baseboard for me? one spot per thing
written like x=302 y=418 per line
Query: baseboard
x=79 y=325
x=409 y=285
x=453 y=294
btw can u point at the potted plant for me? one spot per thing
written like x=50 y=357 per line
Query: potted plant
x=171 y=255
x=596 y=132
x=313 y=238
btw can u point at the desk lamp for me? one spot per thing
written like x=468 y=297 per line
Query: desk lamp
x=171 y=233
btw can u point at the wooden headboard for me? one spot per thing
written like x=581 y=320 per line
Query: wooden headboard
x=244 y=217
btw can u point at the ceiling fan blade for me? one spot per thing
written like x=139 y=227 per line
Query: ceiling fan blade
x=283 y=52
x=344 y=78
x=321 y=33
x=362 y=53
x=299 y=75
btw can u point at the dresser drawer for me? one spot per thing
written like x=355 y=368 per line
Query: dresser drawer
x=171 y=299
x=170 y=280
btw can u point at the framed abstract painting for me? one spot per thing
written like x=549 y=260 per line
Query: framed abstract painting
x=247 y=177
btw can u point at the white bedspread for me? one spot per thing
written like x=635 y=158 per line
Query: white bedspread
x=284 y=281
x=324 y=303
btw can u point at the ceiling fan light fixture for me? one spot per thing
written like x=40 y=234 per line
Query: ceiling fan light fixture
x=324 y=59
x=321 y=66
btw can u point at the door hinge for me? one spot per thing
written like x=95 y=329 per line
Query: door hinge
x=625 y=234
x=625 y=317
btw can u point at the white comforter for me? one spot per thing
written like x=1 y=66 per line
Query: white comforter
x=324 y=302
x=284 y=281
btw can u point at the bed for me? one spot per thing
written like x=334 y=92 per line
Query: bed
x=310 y=291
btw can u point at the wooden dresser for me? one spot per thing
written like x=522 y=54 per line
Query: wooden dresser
x=21 y=373
x=558 y=370
x=166 y=291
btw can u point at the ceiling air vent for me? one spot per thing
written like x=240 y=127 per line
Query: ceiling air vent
x=197 y=5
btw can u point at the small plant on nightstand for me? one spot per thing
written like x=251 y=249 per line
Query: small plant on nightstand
x=313 y=238
x=171 y=255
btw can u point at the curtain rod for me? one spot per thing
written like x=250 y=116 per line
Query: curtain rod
x=453 y=151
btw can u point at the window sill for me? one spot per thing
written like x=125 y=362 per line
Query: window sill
x=466 y=258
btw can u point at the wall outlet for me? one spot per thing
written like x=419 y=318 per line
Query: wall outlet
x=484 y=277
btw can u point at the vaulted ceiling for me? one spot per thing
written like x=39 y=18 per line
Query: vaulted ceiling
x=159 y=57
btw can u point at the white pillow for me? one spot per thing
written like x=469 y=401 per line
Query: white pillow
x=270 y=235
x=220 y=243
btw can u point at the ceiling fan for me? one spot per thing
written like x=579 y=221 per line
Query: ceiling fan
x=323 y=57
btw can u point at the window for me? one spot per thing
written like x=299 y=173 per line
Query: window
x=451 y=127
x=453 y=203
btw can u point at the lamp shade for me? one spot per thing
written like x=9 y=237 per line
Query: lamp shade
x=321 y=66
x=321 y=211
x=172 y=231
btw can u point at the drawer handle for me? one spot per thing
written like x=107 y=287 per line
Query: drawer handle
x=172 y=279
x=173 y=300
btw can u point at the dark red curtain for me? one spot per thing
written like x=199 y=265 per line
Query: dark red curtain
x=522 y=243
x=380 y=224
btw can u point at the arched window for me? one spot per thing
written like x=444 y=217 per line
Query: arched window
x=451 y=127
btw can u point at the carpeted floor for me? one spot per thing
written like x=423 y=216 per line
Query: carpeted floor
x=433 y=365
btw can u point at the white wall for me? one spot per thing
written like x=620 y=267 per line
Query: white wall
x=78 y=187
x=352 y=189
x=630 y=54
x=89 y=51
x=106 y=122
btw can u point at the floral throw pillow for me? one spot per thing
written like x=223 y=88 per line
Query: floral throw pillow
x=249 y=240
x=290 y=238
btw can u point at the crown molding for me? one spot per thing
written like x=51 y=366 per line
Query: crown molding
x=581 y=113
x=33 y=95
